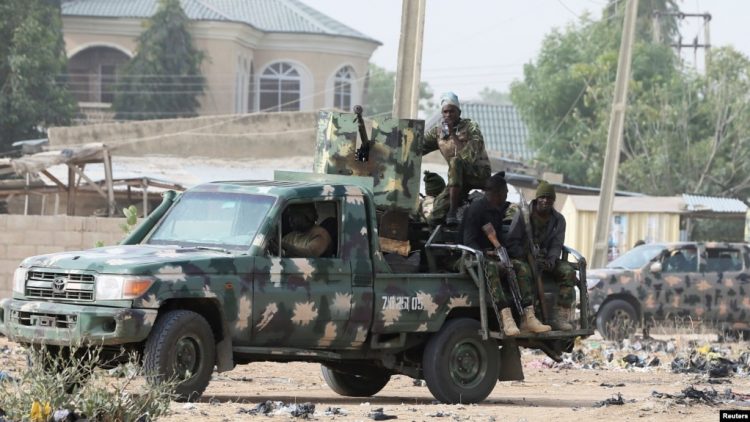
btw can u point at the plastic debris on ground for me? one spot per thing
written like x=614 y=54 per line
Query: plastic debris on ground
x=613 y=401
x=692 y=395
x=379 y=415
x=271 y=408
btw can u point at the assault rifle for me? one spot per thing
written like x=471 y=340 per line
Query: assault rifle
x=363 y=152
x=534 y=255
x=502 y=254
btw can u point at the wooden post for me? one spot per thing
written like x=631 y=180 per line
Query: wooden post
x=409 y=67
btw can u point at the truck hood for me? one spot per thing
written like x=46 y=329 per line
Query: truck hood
x=126 y=259
x=595 y=278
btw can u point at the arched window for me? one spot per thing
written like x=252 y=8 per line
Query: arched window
x=342 y=88
x=280 y=88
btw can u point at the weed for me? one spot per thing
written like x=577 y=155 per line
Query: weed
x=69 y=379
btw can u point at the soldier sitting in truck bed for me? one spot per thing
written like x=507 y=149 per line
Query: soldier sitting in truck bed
x=306 y=239
x=504 y=217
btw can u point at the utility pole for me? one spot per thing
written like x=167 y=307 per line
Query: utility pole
x=695 y=45
x=408 y=72
x=614 y=137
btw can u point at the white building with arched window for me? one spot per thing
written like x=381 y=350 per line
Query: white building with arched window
x=261 y=55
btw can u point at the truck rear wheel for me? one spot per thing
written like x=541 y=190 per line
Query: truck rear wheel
x=616 y=320
x=181 y=345
x=460 y=367
x=351 y=385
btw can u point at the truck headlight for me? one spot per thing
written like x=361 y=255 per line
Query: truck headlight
x=115 y=287
x=19 y=279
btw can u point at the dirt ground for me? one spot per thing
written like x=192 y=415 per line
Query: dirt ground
x=563 y=392
x=547 y=393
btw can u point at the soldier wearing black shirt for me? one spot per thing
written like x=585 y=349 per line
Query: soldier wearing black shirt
x=494 y=208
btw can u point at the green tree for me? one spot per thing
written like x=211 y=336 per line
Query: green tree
x=164 y=78
x=380 y=86
x=33 y=95
x=565 y=97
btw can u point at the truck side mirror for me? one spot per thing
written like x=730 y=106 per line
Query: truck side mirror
x=656 y=267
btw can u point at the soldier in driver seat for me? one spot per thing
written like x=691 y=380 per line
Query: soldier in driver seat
x=306 y=239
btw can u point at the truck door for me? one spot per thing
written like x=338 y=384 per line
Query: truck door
x=724 y=275
x=303 y=301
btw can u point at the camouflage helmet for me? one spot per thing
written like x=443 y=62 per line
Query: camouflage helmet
x=433 y=183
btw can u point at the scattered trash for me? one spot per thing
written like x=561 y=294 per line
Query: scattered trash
x=691 y=395
x=188 y=406
x=617 y=401
x=64 y=415
x=419 y=383
x=269 y=408
x=4 y=376
x=334 y=411
x=378 y=415
x=608 y=385
x=439 y=414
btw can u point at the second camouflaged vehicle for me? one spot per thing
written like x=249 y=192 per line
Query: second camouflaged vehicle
x=202 y=283
x=684 y=282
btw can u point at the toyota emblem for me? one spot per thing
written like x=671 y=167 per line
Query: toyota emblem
x=58 y=284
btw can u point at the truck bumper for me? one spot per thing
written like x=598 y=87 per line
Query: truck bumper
x=69 y=324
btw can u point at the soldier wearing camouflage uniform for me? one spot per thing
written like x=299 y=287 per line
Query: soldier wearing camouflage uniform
x=505 y=217
x=462 y=145
x=548 y=232
x=433 y=186
x=306 y=240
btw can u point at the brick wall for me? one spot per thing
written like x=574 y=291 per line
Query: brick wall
x=22 y=236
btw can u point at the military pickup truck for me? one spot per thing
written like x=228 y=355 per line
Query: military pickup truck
x=202 y=284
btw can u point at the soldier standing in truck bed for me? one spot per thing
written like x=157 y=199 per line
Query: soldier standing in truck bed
x=505 y=217
x=548 y=231
x=462 y=145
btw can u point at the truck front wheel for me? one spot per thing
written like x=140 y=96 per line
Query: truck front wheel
x=351 y=385
x=460 y=367
x=181 y=345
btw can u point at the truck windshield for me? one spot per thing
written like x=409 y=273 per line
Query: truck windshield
x=213 y=219
x=636 y=258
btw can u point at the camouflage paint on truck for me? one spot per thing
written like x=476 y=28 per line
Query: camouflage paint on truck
x=395 y=156
x=712 y=292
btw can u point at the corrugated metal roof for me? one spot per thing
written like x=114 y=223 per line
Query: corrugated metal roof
x=501 y=126
x=714 y=204
x=265 y=15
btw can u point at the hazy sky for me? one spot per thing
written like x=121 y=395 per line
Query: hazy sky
x=471 y=44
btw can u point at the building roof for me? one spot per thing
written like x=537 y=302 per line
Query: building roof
x=697 y=203
x=502 y=127
x=264 y=15
x=688 y=205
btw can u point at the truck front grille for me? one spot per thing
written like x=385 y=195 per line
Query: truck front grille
x=66 y=286
x=31 y=319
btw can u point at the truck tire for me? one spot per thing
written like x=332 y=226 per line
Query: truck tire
x=616 y=320
x=351 y=385
x=460 y=367
x=180 y=342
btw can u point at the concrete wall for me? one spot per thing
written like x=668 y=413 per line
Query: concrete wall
x=261 y=135
x=24 y=236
